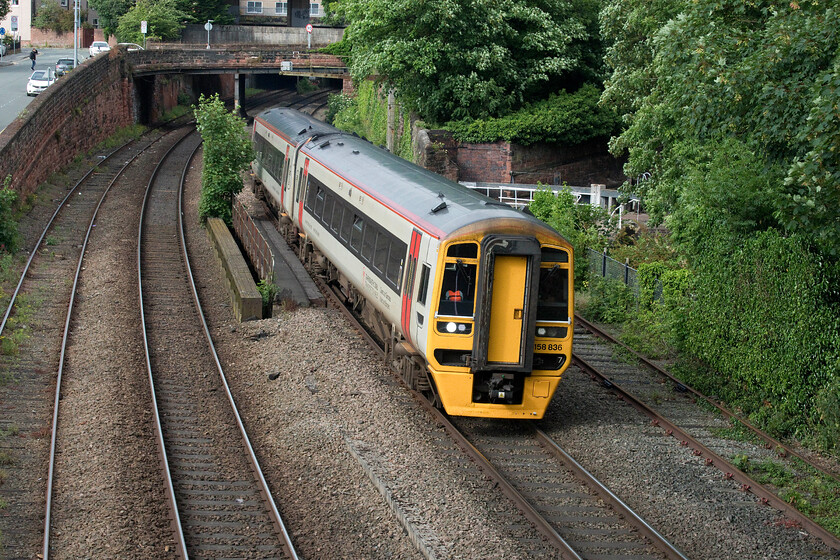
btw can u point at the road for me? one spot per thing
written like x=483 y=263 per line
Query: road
x=14 y=73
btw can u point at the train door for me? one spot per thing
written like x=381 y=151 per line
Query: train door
x=506 y=302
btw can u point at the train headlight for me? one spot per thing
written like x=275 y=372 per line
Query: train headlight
x=552 y=332
x=453 y=327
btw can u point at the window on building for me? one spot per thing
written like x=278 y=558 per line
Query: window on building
x=314 y=9
x=63 y=3
x=15 y=2
x=254 y=7
x=281 y=8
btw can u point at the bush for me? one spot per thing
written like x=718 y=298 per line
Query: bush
x=610 y=301
x=9 y=236
x=563 y=118
x=764 y=315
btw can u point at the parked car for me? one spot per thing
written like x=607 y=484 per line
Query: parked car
x=130 y=46
x=39 y=81
x=99 y=46
x=63 y=65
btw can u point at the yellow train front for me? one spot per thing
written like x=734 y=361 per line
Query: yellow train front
x=503 y=321
x=471 y=298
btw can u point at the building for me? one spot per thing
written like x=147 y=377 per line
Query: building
x=18 y=22
x=295 y=13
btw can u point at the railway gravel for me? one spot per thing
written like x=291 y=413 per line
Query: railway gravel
x=316 y=400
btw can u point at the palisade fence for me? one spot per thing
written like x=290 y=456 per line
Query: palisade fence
x=252 y=240
x=600 y=264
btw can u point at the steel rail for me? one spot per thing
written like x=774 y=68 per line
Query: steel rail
x=255 y=464
x=65 y=336
x=712 y=458
x=767 y=438
x=609 y=497
x=49 y=223
x=170 y=489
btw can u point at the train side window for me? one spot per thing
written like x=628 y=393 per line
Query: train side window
x=328 y=209
x=346 y=224
x=319 y=201
x=338 y=212
x=368 y=239
x=356 y=235
x=424 y=284
x=457 y=295
x=395 y=265
x=380 y=259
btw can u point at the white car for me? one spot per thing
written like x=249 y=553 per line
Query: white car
x=130 y=46
x=39 y=81
x=99 y=46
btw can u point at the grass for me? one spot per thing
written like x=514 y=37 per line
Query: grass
x=804 y=488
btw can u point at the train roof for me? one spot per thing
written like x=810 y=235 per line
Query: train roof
x=432 y=202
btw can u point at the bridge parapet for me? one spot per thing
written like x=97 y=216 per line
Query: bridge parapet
x=242 y=59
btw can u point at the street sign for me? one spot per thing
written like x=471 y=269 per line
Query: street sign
x=2 y=30
x=208 y=26
x=143 y=27
x=309 y=28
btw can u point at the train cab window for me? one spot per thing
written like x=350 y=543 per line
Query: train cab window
x=553 y=296
x=463 y=250
x=356 y=235
x=424 y=284
x=457 y=295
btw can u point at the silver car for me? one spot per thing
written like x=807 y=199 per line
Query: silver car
x=63 y=65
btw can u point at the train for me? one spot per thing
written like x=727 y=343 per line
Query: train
x=471 y=299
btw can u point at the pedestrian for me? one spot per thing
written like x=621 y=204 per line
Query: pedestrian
x=32 y=56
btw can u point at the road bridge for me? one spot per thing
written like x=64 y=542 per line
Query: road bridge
x=119 y=88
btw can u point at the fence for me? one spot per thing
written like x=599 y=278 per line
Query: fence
x=607 y=267
x=253 y=242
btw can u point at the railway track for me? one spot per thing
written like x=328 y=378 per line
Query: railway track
x=55 y=258
x=671 y=405
x=221 y=506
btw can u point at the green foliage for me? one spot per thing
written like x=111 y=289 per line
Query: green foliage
x=9 y=236
x=227 y=153
x=452 y=60
x=305 y=85
x=764 y=315
x=4 y=8
x=564 y=118
x=707 y=76
x=610 y=301
x=199 y=11
x=339 y=103
x=582 y=225
x=268 y=290
x=164 y=21
x=51 y=16
x=110 y=12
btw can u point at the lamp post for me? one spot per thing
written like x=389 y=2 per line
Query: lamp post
x=208 y=26
x=75 y=32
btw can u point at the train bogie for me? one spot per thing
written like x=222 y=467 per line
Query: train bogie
x=472 y=299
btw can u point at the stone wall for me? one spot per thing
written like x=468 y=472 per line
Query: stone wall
x=503 y=162
x=70 y=117
x=260 y=35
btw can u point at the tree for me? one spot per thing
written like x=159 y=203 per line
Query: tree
x=4 y=8
x=452 y=59
x=110 y=12
x=53 y=17
x=164 y=21
x=199 y=11
x=227 y=153
x=764 y=73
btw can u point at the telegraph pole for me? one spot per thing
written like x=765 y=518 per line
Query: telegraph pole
x=75 y=33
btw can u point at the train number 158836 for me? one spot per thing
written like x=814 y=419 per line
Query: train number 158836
x=548 y=347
